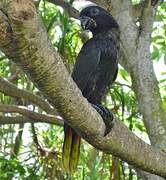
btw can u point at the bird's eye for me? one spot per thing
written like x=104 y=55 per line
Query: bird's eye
x=94 y=12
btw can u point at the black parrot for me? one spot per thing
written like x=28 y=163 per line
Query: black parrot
x=95 y=70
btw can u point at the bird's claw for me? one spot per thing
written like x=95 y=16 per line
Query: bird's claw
x=107 y=116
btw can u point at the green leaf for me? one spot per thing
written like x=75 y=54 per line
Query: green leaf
x=155 y=53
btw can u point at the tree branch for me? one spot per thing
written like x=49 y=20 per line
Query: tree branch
x=137 y=9
x=30 y=114
x=67 y=7
x=35 y=138
x=99 y=2
x=29 y=47
x=10 y=89
x=24 y=119
x=17 y=144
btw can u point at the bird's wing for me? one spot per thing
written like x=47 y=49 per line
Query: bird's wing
x=86 y=63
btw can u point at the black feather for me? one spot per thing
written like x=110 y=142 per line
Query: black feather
x=97 y=63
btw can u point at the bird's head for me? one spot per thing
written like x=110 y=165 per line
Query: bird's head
x=97 y=20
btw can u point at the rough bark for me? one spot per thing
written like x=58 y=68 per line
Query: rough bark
x=24 y=40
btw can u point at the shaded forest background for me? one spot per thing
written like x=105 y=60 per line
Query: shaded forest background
x=31 y=148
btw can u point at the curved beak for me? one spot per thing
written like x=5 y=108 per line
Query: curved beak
x=87 y=22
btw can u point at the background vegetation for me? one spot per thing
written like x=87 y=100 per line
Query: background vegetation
x=33 y=150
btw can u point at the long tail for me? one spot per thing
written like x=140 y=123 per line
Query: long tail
x=71 y=149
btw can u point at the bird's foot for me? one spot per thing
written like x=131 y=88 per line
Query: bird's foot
x=107 y=116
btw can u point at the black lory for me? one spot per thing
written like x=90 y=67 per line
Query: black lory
x=95 y=70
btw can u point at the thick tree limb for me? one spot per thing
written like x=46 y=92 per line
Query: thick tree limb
x=30 y=114
x=24 y=40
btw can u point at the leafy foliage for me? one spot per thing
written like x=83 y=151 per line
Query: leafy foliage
x=159 y=35
x=44 y=162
